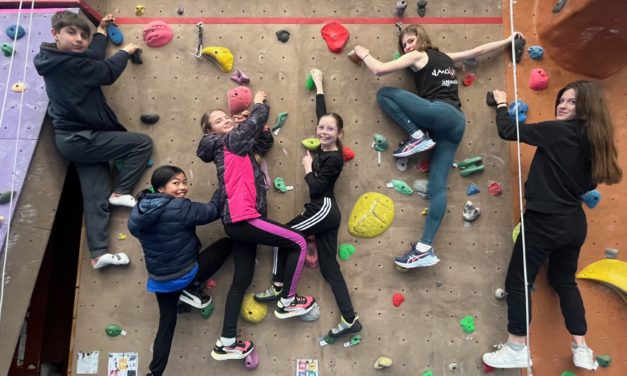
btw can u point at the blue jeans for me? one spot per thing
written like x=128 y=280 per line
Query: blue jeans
x=445 y=125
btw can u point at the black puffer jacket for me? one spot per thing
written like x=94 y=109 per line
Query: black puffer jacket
x=166 y=228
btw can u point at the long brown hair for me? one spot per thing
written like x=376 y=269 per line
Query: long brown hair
x=423 y=41
x=592 y=110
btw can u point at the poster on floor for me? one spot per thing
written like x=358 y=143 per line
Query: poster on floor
x=87 y=362
x=307 y=367
x=123 y=364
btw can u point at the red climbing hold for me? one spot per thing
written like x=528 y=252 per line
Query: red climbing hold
x=423 y=166
x=347 y=153
x=539 y=79
x=210 y=283
x=239 y=98
x=311 y=259
x=398 y=299
x=469 y=78
x=495 y=188
x=335 y=34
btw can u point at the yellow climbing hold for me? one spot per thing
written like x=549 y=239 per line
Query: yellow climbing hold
x=382 y=362
x=311 y=143
x=18 y=87
x=612 y=272
x=121 y=236
x=516 y=232
x=139 y=9
x=222 y=56
x=425 y=212
x=252 y=310
x=371 y=216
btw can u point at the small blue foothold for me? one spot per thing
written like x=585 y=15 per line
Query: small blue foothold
x=115 y=34
x=535 y=52
x=11 y=31
x=591 y=198
x=150 y=163
x=472 y=189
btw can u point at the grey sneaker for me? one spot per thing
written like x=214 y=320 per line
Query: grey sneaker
x=270 y=294
x=506 y=357
x=583 y=357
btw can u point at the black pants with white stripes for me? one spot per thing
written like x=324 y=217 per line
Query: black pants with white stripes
x=321 y=218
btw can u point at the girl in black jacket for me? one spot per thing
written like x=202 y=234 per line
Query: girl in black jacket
x=165 y=223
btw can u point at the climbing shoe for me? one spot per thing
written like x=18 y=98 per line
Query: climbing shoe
x=415 y=259
x=414 y=145
x=195 y=297
x=344 y=327
x=299 y=306
x=239 y=350
x=270 y=294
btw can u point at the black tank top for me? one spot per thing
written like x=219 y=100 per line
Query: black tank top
x=437 y=80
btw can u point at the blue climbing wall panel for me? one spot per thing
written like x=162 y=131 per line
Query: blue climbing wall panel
x=22 y=113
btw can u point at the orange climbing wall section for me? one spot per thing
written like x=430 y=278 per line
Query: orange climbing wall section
x=605 y=311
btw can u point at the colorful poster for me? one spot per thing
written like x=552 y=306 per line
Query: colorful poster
x=123 y=364
x=307 y=367
x=87 y=362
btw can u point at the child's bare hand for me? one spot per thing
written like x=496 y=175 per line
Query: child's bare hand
x=131 y=48
x=500 y=96
x=307 y=162
x=104 y=22
x=260 y=97
x=316 y=76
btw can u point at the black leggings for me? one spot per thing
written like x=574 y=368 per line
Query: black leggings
x=209 y=261
x=321 y=218
x=557 y=238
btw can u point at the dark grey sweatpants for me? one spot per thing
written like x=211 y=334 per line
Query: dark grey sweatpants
x=91 y=152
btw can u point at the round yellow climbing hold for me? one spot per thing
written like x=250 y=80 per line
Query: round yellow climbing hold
x=18 y=87
x=382 y=362
x=372 y=214
x=252 y=310
x=222 y=56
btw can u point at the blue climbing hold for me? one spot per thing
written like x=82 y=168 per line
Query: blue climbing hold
x=535 y=52
x=13 y=30
x=591 y=198
x=115 y=34
x=523 y=108
x=472 y=189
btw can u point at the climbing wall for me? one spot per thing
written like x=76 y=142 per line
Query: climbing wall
x=424 y=332
x=605 y=310
x=30 y=166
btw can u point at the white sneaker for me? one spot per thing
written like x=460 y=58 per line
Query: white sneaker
x=583 y=357
x=506 y=357
x=123 y=200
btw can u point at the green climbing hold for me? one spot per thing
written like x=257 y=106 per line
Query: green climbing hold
x=118 y=163
x=279 y=184
x=427 y=373
x=345 y=251
x=468 y=324
x=355 y=340
x=114 y=330
x=311 y=143
x=568 y=373
x=7 y=50
x=280 y=121
x=5 y=197
x=328 y=339
x=309 y=83
x=402 y=187
x=380 y=142
x=604 y=360
x=396 y=55
x=207 y=311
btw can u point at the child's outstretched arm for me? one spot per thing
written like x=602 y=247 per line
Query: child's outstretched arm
x=241 y=140
x=197 y=213
x=484 y=49
x=321 y=106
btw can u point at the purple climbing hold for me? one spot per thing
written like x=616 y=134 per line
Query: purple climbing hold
x=240 y=77
x=252 y=360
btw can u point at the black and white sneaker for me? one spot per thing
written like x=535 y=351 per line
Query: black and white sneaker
x=195 y=297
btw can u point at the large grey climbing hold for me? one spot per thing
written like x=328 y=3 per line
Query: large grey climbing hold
x=149 y=118
x=611 y=253
x=283 y=36
x=399 y=10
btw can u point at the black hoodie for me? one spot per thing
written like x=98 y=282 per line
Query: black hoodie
x=73 y=81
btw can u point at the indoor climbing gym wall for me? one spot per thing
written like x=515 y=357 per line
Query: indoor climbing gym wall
x=438 y=319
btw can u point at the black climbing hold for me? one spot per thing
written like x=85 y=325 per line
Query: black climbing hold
x=422 y=7
x=489 y=99
x=559 y=6
x=519 y=48
x=283 y=35
x=149 y=118
x=136 y=57
x=180 y=11
x=5 y=197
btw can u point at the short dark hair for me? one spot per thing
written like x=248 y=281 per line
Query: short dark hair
x=65 y=18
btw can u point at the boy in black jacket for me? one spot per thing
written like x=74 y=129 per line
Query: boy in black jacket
x=87 y=132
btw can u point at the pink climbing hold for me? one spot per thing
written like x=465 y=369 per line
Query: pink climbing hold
x=539 y=79
x=335 y=34
x=239 y=98
x=252 y=360
x=157 y=34
x=398 y=299
x=495 y=188
x=311 y=259
x=469 y=78
x=347 y=153
x=211 y=283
